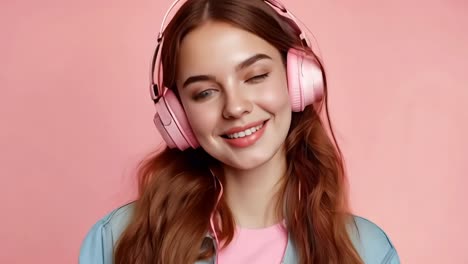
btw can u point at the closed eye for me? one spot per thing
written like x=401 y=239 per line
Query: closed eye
x=258 y=78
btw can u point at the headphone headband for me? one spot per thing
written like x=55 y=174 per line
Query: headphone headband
x=155 y=91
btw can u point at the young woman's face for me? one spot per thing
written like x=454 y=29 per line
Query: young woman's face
x=233 y=87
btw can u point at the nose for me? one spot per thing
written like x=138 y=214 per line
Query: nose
x=236 y=104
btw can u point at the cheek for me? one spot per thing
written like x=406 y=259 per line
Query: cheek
x=200 y=119
x=276 y=96
x=192 y=112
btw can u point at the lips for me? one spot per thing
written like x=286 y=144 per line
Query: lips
x=241 y=137
x=243 y=128
x=247 y=132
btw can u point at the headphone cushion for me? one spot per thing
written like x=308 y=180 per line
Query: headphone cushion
x=172 y=123
x=305 y=79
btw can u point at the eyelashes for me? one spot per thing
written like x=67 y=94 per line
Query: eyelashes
x=258 y=78
x=208 y=92
x=203 y=94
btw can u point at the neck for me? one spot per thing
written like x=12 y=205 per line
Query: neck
x=252 y=195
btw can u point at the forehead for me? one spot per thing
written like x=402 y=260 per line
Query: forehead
x=218 y=45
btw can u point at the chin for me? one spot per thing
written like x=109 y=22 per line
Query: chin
x=251 y=161
x=244 y=166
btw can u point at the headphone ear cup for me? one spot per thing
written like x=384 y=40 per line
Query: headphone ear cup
x=305 y=79
x=172 y=123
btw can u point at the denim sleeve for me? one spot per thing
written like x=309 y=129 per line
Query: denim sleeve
x=373 y=244
x=391 y=257
x=97 y=246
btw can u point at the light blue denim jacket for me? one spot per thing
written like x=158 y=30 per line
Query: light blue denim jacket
x=370 y=241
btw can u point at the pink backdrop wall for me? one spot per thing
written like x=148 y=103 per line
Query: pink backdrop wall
x=76 y=117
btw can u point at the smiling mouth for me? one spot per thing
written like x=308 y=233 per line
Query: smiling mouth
x=245 y=133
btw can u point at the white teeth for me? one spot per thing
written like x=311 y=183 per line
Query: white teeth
x=246 y=132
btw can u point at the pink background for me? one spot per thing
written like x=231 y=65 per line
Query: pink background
x=76 y=117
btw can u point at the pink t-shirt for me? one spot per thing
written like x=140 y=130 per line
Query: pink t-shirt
x=264 y=245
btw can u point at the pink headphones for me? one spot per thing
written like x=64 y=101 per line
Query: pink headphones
x=305 y=85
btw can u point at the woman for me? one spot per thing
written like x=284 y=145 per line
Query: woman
x=251 y=174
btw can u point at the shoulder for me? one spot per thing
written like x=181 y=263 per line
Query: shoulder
x=117 y=220
x=372 y=243
x=98 y=245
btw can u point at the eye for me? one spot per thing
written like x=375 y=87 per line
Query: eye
x=203 y=94
x=258 y=78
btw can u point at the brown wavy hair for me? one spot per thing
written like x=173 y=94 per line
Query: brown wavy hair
x=177 y=193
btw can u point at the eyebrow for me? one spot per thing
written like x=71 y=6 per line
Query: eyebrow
x=244 y=64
